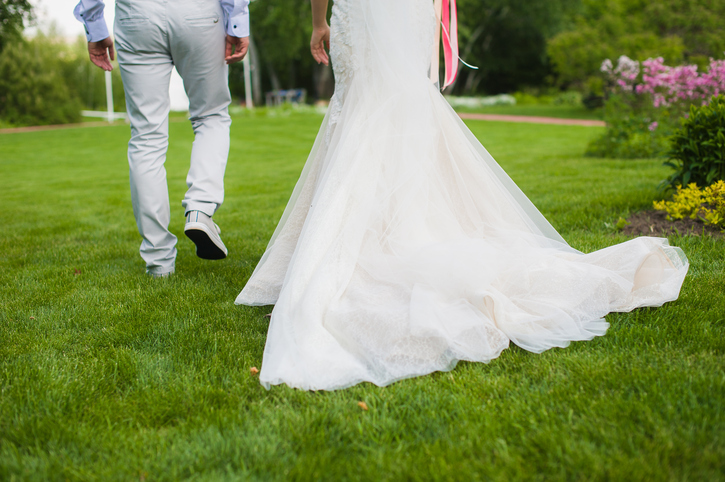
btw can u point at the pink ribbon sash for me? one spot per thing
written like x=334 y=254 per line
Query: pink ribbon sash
x=449 y=20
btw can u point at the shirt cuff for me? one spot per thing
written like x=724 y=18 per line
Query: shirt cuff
x=239 y=25
x=96 y=30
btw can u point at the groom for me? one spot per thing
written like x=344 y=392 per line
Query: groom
x=200 y=38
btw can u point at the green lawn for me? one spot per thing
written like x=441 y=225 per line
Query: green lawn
x=106 y=374
x=539 y=110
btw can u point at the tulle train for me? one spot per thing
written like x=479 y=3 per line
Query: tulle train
x=405 y=247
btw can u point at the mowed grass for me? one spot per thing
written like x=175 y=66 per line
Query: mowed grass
x=539 y=110
x=106 y=374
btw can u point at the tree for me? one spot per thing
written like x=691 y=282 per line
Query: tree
x=506 y=40
x=33 y=88
x=14 y=14
x=700 y=25
x=678 y=30
x=281 y=34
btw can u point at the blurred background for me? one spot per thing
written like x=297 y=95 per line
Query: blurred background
x=540 y=51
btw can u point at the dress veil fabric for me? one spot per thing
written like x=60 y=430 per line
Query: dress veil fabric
x=405 y=247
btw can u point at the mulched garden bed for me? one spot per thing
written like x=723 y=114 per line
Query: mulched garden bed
x=655 y=223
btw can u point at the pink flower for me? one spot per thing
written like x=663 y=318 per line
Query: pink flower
x=667 y=85
x=652 y=126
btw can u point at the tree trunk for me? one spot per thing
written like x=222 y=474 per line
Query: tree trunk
x=324 y=81
x=256 y=68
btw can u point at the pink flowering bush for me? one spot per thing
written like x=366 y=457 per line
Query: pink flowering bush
x=680 y=85
x=646 y=100
x=626 y=73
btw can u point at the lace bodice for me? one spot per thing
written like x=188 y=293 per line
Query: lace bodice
x=348 y=46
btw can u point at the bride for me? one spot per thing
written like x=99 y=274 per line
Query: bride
x=405 y=247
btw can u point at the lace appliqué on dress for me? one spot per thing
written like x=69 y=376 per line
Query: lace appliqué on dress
x=343 y=62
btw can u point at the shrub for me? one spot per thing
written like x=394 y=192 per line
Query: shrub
x=571 y=98
x=697 y=150
x=24 y=95
x=33 y=90
x=684 y=84
x=645 y=102
x=676 y=29
x=707 y=205
x=577 y=55
x=549 y=96
x=632 y=131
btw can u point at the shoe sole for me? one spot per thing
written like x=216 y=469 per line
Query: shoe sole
x=206 y=247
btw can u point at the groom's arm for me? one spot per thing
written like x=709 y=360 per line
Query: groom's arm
x=236 y=18
x=90 y=12
x=100 y=45
x=236 y=13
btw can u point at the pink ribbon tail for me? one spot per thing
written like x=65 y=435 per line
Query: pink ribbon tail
x=449 y=19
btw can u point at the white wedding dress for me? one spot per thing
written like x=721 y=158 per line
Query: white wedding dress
x=405 y=247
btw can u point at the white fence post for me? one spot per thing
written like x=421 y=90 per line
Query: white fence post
x=109 y=96
x=248 y=81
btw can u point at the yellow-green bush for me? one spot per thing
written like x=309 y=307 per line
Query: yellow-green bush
x=707 y=204
x=33 y=90
x=45 y=80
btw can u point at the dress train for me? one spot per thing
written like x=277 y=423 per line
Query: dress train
x=405 y=247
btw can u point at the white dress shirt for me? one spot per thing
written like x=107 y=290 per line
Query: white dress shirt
x=90 y=12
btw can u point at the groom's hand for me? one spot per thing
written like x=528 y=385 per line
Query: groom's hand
x=236 y=49
x=102 y=53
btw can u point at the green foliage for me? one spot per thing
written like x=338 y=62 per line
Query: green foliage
x=14 y=14
x=697 y=150
x=577 y=55
x=280 y=52
x=621 y=223
x=45 y=80
x=33 y=89
x=539 y=110
x=700 y=25
x=707 y=204
x=282 y=30
x=506 y=40
x=678 y=30
x=552 y=97
x=630 y=132
x=86 y=81
x=281 y=33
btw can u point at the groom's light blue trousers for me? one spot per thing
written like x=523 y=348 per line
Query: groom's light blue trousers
x=152 y=36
